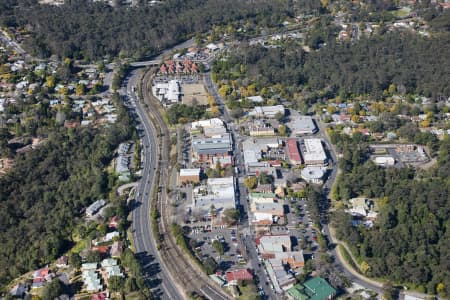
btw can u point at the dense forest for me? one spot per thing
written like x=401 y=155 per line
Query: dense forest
x=420 y=65
x=409 y=243
x=42 y=198
x=91 y=30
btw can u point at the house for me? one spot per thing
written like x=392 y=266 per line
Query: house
x=111 y=235
x=114 y=222
x=189 y=176
x=95 y=207
x=101 y=249
x=37 y=283
x=233 y=277
x=62 y=262
x=92 y=281
x=18 y=290
x=99 y=296
x=111 y=268
x=116 y=249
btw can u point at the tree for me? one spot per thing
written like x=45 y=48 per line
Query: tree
x=53 y=290
x=93 y=256
x=231 y=215
x=115 y=82
x=263 y=178
x=130 y=285
x=75 y=260
x=80 y=89
x=217 y=245
x=282 y=130
x=116 y=283
x=251 y=182
x=210 y=265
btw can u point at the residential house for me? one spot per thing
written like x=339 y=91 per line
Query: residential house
x=62 y=262
x=233 y=277
x=117 y=249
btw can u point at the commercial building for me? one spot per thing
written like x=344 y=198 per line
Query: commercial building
x=204 y=149
x=266 y=213
x=313 y=152
x=293 y=152
x=218 y=193
x=267 y=111
x=189 y=176
x=302 y=125
x=253 y=149
x=168 y=92
x=316 y=288
x=281 y=279
x=384 y=161
x=268 y=245
x=313 y=174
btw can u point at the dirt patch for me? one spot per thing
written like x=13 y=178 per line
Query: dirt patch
x=194 y=93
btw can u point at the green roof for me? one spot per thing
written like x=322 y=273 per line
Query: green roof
x=319 y=289
x=296 y=292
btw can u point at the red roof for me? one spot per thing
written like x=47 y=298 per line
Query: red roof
x=293 y=152
x=114 y=222
x=38 y=279
x=243 y=274
x=100 y=296
x=41 y=273
x=101 y=249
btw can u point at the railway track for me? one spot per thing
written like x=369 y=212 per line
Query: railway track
x=178 y=263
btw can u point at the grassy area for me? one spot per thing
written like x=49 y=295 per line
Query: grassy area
x=130 y=238
x=79 y=246
x=248 y=291
x=403 y=12
x=347 y=257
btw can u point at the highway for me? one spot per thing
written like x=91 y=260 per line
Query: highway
x=145 y=246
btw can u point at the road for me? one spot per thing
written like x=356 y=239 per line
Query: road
x=339 y=262
x=245 y=230
x=145 y=245
x=9 y=42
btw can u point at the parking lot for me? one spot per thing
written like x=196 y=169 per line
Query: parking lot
x=205 y=238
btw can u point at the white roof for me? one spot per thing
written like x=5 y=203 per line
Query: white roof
x=313 y=150
x=258 y=99
x=309 y=173
x=275 y=243
x=304 y=124
x=190 y=172
x=214 y=122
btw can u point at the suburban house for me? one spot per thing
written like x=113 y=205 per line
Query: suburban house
x=233 y=277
